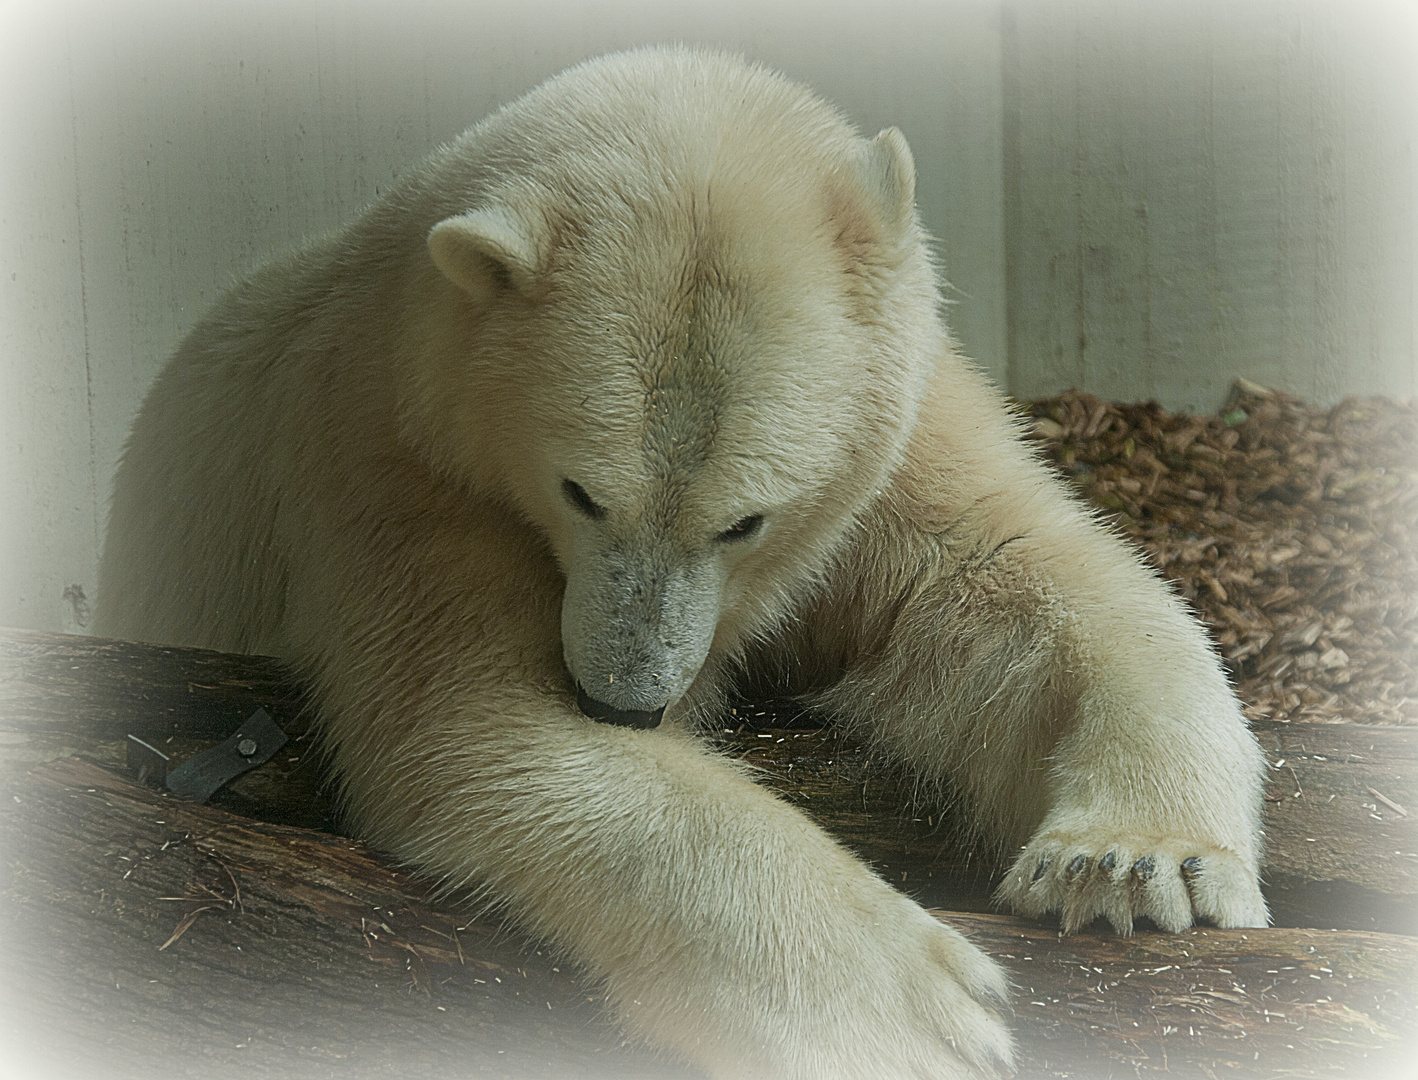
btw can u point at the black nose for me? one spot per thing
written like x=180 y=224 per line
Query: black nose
x=609 y=714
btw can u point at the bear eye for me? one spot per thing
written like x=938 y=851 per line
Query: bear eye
x=742 y=529
x=577 y=497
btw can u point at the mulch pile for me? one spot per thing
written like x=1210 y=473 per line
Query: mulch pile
x=1291 y=530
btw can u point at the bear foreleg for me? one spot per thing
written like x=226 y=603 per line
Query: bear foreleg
x=1000 y=640
x=725 y=925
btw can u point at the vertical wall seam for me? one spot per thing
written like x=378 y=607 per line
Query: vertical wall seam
x=1217 y=345
x=1013 y=211
x=94 y=510
x=1079 y=344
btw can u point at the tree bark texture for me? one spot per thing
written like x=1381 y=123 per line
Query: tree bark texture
x=142 y=933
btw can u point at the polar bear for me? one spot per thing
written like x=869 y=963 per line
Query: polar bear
x=635 y=390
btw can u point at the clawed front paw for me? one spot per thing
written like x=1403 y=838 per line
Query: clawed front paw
x=1173 y=882
x=886 y=992
x=910 y=999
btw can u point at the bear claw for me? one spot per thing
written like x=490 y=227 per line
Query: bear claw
x=1167 y=882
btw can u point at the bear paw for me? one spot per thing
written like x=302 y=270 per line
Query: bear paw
x=927 y=1004
x=889 y=993
x=1174 y=882
x=957 y=996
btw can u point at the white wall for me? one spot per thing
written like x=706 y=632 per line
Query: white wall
x=1211 y=188
x=150 y=152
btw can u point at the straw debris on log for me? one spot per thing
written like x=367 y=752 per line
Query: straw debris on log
x=316 y=960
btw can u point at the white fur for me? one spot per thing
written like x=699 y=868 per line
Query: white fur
x=687 y=286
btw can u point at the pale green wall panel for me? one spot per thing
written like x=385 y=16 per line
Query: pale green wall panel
x=1202 y=190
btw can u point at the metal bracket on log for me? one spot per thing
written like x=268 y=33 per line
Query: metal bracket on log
x=252 y=744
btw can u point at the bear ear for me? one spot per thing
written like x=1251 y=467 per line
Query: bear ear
x=484 y=251
x=871 y=209
x=888 y=172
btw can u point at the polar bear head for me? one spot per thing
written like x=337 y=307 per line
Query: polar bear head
x=686 y=319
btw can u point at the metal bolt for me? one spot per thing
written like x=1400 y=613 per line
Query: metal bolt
x=246 y=747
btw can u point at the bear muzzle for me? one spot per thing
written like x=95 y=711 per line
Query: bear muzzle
x=609 y=714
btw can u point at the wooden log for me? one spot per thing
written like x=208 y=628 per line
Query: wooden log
x=189 y=941
x=1206 y=1003
x=62 y=694
x=1341 y=816
x=1341 y=820
x=144 y=931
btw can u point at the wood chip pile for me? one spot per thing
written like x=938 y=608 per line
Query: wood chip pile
x=1291 y=530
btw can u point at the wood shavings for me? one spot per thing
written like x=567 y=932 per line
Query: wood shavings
x=1388 y=802
x=1291 y=530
